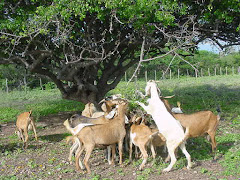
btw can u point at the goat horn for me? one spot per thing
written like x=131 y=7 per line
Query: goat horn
x=102 y=101
x=167 y=97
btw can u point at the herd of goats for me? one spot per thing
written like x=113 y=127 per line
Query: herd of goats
x=109 y=127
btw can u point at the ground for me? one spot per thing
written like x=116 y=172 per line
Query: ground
x=47 y=158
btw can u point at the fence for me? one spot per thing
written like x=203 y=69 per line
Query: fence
x=156 y=75
x=170 y=74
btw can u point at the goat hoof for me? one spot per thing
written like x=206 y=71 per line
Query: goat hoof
x=214 y=160
x=166 y=170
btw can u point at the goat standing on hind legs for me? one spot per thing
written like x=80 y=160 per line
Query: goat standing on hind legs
x=24 y=121
x=167 y=125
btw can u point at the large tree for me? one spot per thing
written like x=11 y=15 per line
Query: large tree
x=85 y=46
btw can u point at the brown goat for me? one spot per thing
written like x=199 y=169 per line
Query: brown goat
x=23 y=122
x=198 y=123
x=77 y=122
x=142 y=136
x=103 y=134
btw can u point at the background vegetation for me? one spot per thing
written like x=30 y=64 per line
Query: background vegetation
x=201 y=60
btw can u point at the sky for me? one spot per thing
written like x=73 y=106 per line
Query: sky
x=209 y=47
x=213 y=48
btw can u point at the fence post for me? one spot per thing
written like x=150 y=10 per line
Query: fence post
x=25 y=83
x=187 y=73
x=209 y=74
x=232 y=70
x=155 y=75
x=135 y=78
x=226 y=70
x=215 y=71
x=146 y=76
x=178 y=72
x=7 y=85
x=170 y=73
x=220 y=70
x=125 y=76
x=40 y=82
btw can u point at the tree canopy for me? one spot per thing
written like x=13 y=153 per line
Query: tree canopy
x=85 y=46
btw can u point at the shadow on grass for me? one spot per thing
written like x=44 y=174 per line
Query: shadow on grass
x=200 y=149
x=54 y=137
x=11 y=147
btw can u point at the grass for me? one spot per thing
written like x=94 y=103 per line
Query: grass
x=194 y=94
x=41 y=102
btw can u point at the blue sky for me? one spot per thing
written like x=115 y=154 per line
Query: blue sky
x=209 y=47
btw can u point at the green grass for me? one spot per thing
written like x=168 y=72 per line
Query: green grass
x=195 y=94
x=41 y=102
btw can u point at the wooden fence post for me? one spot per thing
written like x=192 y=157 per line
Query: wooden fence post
x=209 y=74
x=170 y=73
x=226 y=70
x=178 y=72
x=125 y=76
x=220 y=70
x=146 y=78
x=25 y=83
x=7 y=85
x=215 y=71
x=155 y=75
x=40 y=82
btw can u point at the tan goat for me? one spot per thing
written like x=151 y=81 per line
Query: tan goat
x=142 y=136
x=77 y=122
x=24 y=121
x=199 y=124
x=103 y=134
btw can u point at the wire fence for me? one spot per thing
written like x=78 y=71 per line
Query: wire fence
x=179 y=73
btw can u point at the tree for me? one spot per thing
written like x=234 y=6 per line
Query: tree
x=85 y=46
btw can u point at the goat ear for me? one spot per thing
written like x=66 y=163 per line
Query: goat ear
x=179 y=104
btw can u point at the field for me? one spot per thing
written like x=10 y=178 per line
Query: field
x=47 y=159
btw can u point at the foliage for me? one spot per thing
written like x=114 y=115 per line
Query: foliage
x=85 y=47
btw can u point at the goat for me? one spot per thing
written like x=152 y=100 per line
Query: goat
x=199 y=123
x=24 y=121
x=103 y=134
x=167 y=125
x=90 y=109
x=141 y=136
x=77 y=122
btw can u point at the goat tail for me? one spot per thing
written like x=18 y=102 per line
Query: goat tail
x=153 y=134
x=186 y=135
x=70 y=138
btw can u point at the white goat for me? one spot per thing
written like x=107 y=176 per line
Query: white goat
x=167 y=125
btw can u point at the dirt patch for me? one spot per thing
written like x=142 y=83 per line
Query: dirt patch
x=47 y=159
